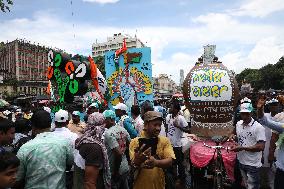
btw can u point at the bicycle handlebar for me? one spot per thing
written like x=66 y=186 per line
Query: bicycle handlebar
x=216 y=147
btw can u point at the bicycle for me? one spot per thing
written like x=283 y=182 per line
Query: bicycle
x=219 y=175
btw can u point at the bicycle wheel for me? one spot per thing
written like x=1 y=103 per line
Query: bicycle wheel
x=218 y=180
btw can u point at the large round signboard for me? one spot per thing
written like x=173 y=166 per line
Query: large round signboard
x=211 y=93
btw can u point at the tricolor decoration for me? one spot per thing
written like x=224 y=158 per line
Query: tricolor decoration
x=69 y=78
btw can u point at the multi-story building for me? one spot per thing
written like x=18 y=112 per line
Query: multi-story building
x=164 y=85
x=114 y=43
x=181 y=74
x=23 y=65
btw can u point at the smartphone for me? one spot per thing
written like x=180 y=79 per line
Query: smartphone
x=149 y=142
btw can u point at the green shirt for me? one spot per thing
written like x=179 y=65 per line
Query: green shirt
x=43 y=162
x=117 y=136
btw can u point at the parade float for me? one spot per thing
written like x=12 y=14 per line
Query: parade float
x=129 y=76
x=69 y=77
x=211 y=94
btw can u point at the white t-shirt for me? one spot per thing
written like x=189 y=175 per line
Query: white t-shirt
x=268 y=134
x=139 y=125
x=175 y=134
x=185 y=113
x=64 y=132
x=248 y=136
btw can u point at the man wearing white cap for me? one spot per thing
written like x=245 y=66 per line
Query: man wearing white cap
x=18 y=114
x=268 y=168
x=94 y=107
x=76 y=125
x=277 y=124
x=61 y=130
x=125 y=121
x=251 y=142
x=8 y=114
x=61 y=122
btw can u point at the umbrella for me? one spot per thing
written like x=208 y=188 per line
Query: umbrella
x=178 y=95
x=43 y=102
x=3 y=103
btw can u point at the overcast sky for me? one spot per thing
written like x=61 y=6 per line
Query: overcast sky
x=248 y=33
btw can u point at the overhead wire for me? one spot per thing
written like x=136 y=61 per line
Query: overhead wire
x=73 y=24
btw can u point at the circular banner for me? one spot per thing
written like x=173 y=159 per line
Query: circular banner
x=211 y=92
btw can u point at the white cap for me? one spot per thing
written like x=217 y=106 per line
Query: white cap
x=246 y=107
x=246 y=100
x=76 y=113
x=61 y=116
x=47 y=109
x=6 y=112
x=120 y=106
x=94 y=105
x=272 y=101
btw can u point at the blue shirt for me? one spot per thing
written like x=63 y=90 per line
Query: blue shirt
x=126 y=122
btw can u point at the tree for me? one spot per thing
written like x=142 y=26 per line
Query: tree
x=269 y=76
x=242 y=76
x=100 y=61
x=282 y=82
x=254 y=78
x=4 y=5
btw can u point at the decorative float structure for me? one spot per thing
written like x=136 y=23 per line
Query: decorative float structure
x=211 y=94
x=129 y=75
x=69 y=77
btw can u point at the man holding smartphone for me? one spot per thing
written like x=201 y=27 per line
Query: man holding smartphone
x=148 y=163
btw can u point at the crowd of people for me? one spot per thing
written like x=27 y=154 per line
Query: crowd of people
x=99 y=148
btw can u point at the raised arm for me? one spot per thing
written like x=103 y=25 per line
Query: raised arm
x=265 y=121
x=277 y=126
x=91 y=175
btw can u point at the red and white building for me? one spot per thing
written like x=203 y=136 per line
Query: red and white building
x=23 y=65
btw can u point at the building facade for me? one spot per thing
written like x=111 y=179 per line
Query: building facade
x=115 y=42
x=164 y=86
x=23 y=65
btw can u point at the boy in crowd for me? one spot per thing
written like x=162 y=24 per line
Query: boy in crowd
x=7 y=133
x=9 y=164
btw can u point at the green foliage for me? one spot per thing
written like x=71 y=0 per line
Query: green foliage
x=269 y=76
x=4 y=5
x=100 y=61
